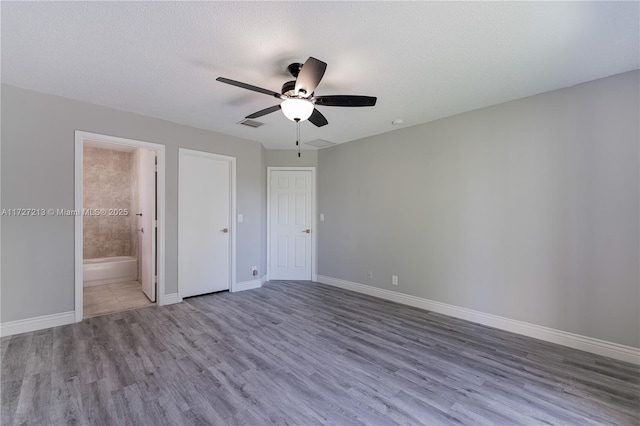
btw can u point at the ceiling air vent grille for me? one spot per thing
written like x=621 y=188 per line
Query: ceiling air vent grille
x=251 y=123
x=319 y=143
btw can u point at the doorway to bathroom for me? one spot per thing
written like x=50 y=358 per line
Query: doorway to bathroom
x=118 y=224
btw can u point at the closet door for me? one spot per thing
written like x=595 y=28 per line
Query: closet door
x=204 y=223
x=290 y=224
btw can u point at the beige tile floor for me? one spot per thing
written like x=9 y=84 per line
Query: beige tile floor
x=109 y=298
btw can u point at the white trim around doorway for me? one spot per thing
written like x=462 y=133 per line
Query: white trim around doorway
x=314 y=227
x=80 y=138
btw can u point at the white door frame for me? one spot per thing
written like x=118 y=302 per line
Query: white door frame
x=80 y=137
x=232 y=214
x=314 y=228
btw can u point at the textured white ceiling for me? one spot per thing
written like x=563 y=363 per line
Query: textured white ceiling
x=423 y=60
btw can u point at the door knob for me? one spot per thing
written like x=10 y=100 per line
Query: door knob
x=225 y=230
x=308 y=231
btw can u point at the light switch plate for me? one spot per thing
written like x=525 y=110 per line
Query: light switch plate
x=321 y=217
x=240 y=218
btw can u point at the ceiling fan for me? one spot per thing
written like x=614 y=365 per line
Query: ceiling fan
x=298 y=100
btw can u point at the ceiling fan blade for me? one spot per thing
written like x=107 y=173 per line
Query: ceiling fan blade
x=264 y=112
x=345 y=100
x=249 y=87
x=318 y=119
x=310 y=75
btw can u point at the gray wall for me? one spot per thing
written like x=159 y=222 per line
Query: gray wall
x=38 y=172
x=263 y=235
x=527 y=210
x=289 y=157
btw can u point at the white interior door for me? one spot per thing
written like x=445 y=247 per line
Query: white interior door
x=147 y=191
x=204 y=223
x=290 y=225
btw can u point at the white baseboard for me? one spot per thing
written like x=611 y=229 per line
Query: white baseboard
x=575 y=341
x=37 y=323
x=170 y=299
x=250 y=285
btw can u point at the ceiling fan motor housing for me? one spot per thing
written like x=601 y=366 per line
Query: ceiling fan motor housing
x=289 y=88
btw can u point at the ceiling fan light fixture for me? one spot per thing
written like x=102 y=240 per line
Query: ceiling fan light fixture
x=297 y=109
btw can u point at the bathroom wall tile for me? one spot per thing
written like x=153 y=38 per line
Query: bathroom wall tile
x=107 y=183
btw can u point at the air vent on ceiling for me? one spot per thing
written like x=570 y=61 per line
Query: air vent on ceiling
x=319 y=143
x=251 y=123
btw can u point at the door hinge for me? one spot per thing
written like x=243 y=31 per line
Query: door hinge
x=155 y=223
x=155 y=279
x=155 y=168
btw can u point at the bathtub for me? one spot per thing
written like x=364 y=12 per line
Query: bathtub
x=107 y=270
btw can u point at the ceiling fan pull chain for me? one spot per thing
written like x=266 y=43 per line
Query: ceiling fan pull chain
x=298 y=142
x=298 y=136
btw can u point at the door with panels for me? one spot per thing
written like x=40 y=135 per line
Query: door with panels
x=290 y=217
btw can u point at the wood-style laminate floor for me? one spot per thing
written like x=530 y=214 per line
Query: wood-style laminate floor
x=302 y=353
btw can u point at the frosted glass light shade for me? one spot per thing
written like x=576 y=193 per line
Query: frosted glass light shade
x=299 y=109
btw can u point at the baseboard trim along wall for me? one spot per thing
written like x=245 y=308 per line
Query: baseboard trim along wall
x=575 y=341
x=170 y=299
x=37 y=323
x=250 y=285
x=48 y=321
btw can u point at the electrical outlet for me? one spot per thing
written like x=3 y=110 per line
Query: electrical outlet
x=254 y=271
x=370 y=275
x=394 y=279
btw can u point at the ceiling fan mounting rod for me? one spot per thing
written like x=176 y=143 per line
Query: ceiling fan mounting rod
x=294 y=69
